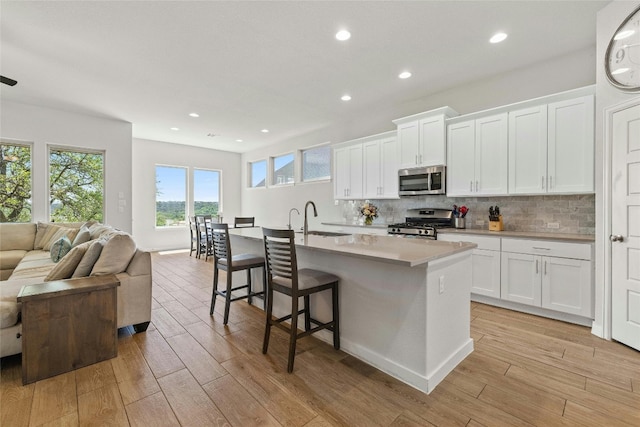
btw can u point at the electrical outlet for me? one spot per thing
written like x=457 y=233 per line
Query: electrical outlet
x=336 y=202
x=553 y=225
x=441 y=284
x=479 y=222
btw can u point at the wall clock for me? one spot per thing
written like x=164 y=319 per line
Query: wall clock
x=622 y=59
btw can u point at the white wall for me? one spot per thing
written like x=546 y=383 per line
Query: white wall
x=42 y=127
x=146 y=155
x=271 y=205
x=609 y=18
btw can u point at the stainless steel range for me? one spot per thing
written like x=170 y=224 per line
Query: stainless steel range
x=423 y=222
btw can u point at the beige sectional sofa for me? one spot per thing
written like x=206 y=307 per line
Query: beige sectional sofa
x=35 y=253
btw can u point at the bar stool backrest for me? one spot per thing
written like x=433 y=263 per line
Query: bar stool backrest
x=280 y=256
x=221 y=245
x=246 y=221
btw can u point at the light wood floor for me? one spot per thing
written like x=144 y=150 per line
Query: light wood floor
x=190 y=370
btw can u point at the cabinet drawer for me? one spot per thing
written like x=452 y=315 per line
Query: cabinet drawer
x=483 y=242
x=548 y=248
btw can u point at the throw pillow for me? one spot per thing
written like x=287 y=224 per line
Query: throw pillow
x=67 y=265
x=89 y=259
x=58 y=234
x=116 y=255
x=42 y=234
x=60 y=248
x=83 y=236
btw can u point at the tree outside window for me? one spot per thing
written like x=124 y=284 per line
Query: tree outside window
x=206 y=192
x=76 y=186
x=15 y=183
x=171 y=196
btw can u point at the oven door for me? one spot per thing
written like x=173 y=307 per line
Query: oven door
x=418 y=181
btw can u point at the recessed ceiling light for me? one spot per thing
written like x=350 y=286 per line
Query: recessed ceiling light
x=194 y=114
x=238 y=140
x=619 y=71
x=343 y=35
x=498 y=37
x=175 y=128
x=404 y=75
x=265 y=131
x=623 y=34
x=346 y=98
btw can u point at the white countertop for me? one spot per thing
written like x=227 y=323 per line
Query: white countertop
x=355 y=224
x=566 y=237
x=390 y=249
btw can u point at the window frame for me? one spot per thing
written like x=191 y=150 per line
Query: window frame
x=272 y=170
x=192 y=203
x=74 y=149
x=250 y=174
x=301 y=164
x=30 y=146
x=186 y=198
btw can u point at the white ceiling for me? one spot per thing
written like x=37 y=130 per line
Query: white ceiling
x=245 y=66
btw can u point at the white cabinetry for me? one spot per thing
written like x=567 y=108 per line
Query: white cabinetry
x=422 y=138
x=552 y=275
x=347 y=169
x=477 y=157
x=485 y=262
x=551 y=148
x=366 y=168
x=380 y=168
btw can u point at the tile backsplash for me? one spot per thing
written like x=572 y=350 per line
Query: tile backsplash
x=563 y=214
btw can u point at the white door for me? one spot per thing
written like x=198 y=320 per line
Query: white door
x=408 y=143
x=432 y=141
x=340 y=173
x=528 y=151
x=371 y=169
x=625 y=226
x=521 y=278
x=355 y=172
x=566 y=285
x=389 y=168
x=461 y=159
x=491 y=155
x=485 y=272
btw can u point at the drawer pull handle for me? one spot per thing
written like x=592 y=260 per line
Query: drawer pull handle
x=541 y=249
x=536 y=266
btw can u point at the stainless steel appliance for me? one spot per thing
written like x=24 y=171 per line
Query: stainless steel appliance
x=424 y=180
x=423 y=223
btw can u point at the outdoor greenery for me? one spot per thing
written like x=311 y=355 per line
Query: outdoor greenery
x=75 y=179
x=173 y=212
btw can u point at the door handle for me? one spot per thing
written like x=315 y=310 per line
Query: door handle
x=542 y=184
x=551 y=182
x=616 y=238
x=536 y=266
x=476 y=186
x=471 y=186
x=545 y=268
x=416 y=159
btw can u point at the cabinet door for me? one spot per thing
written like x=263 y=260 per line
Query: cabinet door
x=432 y=141
x=371 y=169
x=485 y=273
x=461 y=159
x=341 y=170
x=567 y=286
x=389 y=168
x=571 y=146
x=355 y=172
x=528 y=151
x=408 y=144
x=520 y=278
x=491 y=155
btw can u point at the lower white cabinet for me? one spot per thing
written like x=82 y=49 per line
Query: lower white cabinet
x=485 y=263
x=539 y=273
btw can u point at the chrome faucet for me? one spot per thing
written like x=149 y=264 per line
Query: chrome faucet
x=305 y=230
x=291 y=210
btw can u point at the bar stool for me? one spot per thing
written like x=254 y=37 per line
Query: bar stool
x=224 y=260
x=283 y=276
x=244 y=221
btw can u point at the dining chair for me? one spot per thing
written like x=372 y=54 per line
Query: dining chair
x=224 y=260
x=283 y=276
x=244 y=221
x=195 y=241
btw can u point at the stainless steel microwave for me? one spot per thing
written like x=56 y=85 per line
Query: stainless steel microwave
x=425 y=180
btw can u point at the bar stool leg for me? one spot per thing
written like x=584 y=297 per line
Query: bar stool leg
x=307 y=313
x=215 y=288
x=336 y=318
x=227 y=302
x=294 y=332
x=267 y=328
x=249 y=285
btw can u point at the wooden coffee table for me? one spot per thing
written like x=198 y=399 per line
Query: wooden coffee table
x=68 y=324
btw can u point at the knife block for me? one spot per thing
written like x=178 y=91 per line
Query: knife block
x=496 y=225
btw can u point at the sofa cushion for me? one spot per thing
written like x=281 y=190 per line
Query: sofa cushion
x=68 y=264
x=89 y=259
x=10 y=259
x=47 y=234
x=96 y=230
x=8 y=314
x=60 y=248
x=83 y=236
x=69 y=233
x=17 y=236
x=116 y=255
x=35 y=264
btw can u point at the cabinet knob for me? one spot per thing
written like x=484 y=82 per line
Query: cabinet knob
x=616 y=238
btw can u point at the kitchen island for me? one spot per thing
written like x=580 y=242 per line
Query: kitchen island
x=404 y=303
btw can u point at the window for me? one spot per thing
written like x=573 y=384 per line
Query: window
x=282 y=169
x=15 y=183
x=171 y=196
x=258 y=174
x=206 y=192
x=316 y=164
x=76 y=185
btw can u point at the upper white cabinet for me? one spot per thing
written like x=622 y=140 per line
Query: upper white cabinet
x=366 y=168
x=551 y=148
x=347 y=169
x=477 y=157
x=422 y=138
x=380 y=168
